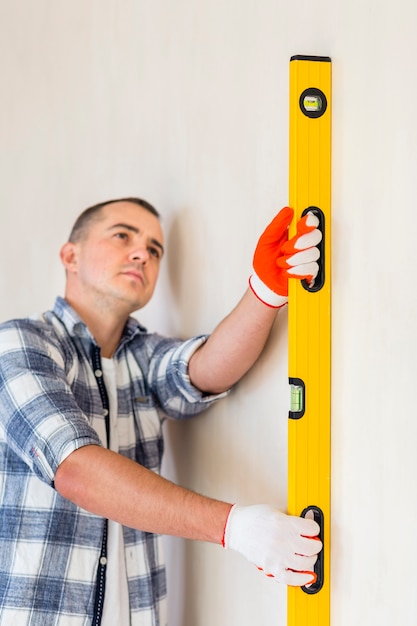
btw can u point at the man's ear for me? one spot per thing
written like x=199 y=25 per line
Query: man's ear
x=69 y=256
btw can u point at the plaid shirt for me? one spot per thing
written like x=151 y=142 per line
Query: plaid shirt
x=51 y=405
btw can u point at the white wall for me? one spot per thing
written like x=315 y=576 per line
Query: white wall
x=185 y=103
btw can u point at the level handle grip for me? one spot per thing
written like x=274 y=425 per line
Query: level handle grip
x=319 y=281
x=315 y=513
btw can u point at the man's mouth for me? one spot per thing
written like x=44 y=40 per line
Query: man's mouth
x=135 y=274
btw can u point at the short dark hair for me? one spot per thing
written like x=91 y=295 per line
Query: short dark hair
x=92 y=213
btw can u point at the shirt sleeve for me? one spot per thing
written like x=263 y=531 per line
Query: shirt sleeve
x=39 y=417
x=170 y=381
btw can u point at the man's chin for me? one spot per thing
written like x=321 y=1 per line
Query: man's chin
x=135 y=304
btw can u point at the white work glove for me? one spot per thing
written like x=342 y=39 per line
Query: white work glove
x=283 y=546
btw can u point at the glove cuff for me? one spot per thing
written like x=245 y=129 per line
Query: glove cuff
x=226 y=526
x=265 y=294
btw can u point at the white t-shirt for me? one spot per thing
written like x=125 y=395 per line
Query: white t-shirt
x=116 y=600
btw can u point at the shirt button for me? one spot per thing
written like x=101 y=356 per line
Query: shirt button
x=105 y=412
x=103 y=560
x=98 y=373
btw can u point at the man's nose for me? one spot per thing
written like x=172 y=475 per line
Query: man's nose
x=139 y=254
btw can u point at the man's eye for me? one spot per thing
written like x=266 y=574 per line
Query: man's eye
x=121 y=235
x=154 y=252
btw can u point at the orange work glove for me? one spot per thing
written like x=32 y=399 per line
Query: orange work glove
x=276 y=259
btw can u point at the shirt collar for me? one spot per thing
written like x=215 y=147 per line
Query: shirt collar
x=76 y=327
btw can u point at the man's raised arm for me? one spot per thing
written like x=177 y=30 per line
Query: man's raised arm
x=238 y=340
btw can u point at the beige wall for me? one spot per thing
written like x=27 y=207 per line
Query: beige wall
x=185 y=103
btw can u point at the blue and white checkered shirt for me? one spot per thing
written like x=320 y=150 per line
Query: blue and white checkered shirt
x=50 y=405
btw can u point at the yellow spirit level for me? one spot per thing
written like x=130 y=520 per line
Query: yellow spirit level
x=309 y=331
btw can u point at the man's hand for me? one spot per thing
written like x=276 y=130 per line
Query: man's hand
x=276 y=259
x=283 y=546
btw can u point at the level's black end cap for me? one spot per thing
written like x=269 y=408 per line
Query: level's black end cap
x=302 y=57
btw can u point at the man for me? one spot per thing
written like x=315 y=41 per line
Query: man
x=84 y=390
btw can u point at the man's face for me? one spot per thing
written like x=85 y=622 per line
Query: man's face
x=117 y=262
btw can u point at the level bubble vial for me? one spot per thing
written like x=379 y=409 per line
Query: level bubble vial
x=296 y=399
x=313 y=103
